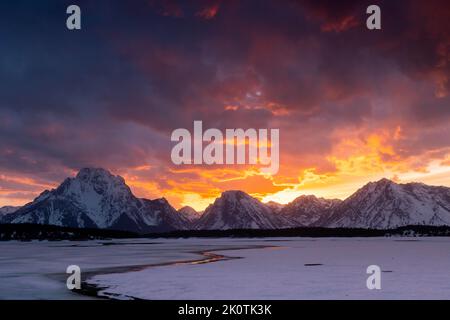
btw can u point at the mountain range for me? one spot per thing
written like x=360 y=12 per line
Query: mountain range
x=95 y=198
x=385 y=205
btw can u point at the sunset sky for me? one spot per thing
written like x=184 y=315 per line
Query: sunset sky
x=352 y=105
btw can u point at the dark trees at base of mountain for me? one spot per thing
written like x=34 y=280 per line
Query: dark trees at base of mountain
x=26 y=232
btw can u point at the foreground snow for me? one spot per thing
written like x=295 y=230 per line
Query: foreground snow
x=300 y=268
x=36 y=270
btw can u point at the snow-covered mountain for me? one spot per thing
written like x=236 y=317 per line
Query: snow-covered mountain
x=238 y=210
x=163 y=216
x=275 y=206
x=7 y=210
x=385 y=204
x=189 y=213
x=97 y=199
x=306 y=210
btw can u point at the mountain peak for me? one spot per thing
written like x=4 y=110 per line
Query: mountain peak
x=189 y=213
x=188 y=209
x=376 y=186
x=384 y=181
x=100 y=180
x=305 y=197
x=89 y=174
x=233 y=192
x=234 y=195
x=306 y=210
x=275 y=206
x=162 y=201
x=236 y=209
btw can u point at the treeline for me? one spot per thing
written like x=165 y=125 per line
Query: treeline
x=26 y=232
x=309 y=232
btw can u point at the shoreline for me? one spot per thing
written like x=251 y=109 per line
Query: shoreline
x=207 y=256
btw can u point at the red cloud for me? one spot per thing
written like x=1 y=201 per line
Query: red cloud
x=209 y=12
x=343 y=24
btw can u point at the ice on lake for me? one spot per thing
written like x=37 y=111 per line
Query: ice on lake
x=286 y=268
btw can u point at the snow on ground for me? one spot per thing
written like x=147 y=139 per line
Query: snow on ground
x=36 y=270
x=294 y=268
x=412 y=270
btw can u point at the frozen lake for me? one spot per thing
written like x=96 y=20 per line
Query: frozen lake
x=281 y=268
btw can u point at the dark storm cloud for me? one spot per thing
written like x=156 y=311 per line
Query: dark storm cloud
x=110 y=94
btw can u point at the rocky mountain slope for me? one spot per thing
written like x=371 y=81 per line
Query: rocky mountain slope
x=385 y=204
x=190 y=213
x=97 y=199
x=306 y=210
x=238 y=210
